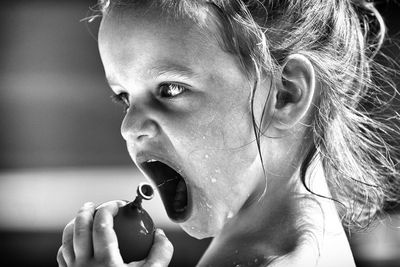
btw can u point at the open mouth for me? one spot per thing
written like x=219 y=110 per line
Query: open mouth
x=172 y=188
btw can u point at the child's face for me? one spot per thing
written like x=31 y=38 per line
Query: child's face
x=200 y=125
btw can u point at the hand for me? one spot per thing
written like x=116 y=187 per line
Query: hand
x=90 y=241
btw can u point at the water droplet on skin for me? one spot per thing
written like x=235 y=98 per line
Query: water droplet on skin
x=206 y=156
x=255 y=260
x=236 y=251
x=204 y=137
x=213 y=180
x=230 y=215
x=217 y=171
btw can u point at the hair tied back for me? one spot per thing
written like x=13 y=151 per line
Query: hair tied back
x=372 y=24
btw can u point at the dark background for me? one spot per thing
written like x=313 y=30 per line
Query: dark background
x=60 y=143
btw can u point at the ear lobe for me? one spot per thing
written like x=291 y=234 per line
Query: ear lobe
x=295 y=92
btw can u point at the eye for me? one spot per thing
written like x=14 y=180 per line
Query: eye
x=122 y=99
x=169 y=90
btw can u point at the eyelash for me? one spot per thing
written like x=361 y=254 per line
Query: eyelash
x=123 y=98
x=170 y=87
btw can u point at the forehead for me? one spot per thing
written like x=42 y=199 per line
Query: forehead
x=145 y=35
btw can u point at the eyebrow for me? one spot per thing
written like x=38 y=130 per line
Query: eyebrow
x=164 y=69
x=171 y=69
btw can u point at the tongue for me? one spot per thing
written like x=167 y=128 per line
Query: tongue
x=180 y=199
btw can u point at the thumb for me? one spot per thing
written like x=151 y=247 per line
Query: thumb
x=161 y=252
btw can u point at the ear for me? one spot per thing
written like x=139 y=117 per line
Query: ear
x=294 y=93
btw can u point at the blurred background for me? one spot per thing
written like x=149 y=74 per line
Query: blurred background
x=60 y=144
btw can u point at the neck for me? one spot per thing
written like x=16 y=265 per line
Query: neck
x=297 y=228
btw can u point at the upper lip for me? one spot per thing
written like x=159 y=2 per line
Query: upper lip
x=145 y=156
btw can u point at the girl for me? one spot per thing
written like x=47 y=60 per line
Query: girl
x=263 y=117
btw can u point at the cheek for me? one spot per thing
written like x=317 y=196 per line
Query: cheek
x=220 y=157
x=217 y=126
x=220 y=141
x=218 y=137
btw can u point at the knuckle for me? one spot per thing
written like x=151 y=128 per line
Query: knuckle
x=83 y=217
x=82 y=226
x=79 y=220
x=100 y=223
x=80 y=231
x=100 y=227
x=66 y=243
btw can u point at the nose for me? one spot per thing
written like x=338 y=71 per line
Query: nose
x=137 y=126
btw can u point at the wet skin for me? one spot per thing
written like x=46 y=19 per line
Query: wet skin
x=203 y=127
x=188 y=105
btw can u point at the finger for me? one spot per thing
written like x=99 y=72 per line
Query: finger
x=60 y=258
x=161 y=252
x=67 y=245
x=105 y=244
x=82 y=240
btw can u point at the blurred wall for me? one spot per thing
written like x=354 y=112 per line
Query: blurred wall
x=54 y=104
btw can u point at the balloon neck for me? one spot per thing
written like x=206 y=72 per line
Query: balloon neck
x=144 y=191
x=137 y=202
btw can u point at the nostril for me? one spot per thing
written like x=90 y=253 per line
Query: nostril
x=139 y=130
x=149 y=130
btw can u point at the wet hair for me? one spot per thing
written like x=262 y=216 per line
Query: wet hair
x=355 y=128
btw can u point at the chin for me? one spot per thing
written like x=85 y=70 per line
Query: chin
x=201 y=229
x=198 y=233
